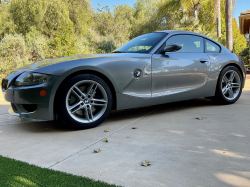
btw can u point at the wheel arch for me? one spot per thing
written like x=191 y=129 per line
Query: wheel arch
x=235 y=65
x=101 y=75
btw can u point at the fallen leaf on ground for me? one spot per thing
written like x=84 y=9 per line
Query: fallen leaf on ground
x=134 y=127
x=106 y=130
x=97 y=150
x=224 y=152
x=201 y=118
x=145 y=163
x=106 y=140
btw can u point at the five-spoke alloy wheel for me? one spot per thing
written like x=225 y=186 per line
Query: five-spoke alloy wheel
x=87 y=101
x=229 y=86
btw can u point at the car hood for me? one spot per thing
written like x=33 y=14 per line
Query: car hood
x=43 y=63
x=66 y=65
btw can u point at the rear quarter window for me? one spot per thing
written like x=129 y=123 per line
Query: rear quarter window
x=211 y=47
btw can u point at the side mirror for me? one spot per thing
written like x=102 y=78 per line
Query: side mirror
x=172 y=47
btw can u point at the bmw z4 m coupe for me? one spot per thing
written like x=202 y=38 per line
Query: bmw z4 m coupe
x=152 y=69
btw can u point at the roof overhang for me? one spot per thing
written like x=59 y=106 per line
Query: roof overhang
x=244 y=20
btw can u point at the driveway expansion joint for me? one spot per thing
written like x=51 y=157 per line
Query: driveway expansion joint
x=102 y=138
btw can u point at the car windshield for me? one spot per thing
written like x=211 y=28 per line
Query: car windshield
x=142 y=44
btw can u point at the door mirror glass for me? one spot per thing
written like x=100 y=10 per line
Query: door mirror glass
x=172 y=47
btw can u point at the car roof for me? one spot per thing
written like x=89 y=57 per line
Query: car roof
x=181 y=32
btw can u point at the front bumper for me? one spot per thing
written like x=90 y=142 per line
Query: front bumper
x=28 y=104
x=24 y=116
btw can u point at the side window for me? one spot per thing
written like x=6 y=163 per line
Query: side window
x=211 y=47
x=190 y=44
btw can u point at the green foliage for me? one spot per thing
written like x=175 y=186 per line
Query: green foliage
x=81 y=14
x=49 y=15
x=115 y=25
x=6 y=23
x=13 y=53
x=245 y=55
x=145 y=17
x=63 y=43
x=206 y=16
x=106 y=46
x=188 y=24
x=37 y=44
x=32 y=30
x=240 y=42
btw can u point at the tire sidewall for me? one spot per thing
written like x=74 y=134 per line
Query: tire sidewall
x=61 y=102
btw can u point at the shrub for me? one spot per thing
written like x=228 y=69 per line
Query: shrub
x=63 y=42
x=106 y=46
x=13 y=53
x=82 y=46
x=37 y=45
x=245 y=55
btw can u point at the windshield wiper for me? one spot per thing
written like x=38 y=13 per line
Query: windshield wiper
x=118 y=52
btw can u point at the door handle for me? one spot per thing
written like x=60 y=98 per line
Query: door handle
x=203 y=60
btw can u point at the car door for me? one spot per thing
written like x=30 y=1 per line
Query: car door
x=180 y=71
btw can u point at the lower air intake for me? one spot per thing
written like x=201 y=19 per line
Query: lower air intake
x=14 y=107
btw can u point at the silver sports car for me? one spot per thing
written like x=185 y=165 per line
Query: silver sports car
x=152 y=69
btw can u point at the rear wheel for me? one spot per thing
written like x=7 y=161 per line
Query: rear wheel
x=229 y=86
x=85 y=101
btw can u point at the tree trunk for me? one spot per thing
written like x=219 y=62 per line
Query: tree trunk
x=229 y=23
x=195 y=15
x=196 y=10
x=218 y=17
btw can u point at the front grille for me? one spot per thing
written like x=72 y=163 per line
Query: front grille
x=14 y=107
x=4 y=83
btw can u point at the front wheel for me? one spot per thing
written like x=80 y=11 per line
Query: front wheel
x=85 y=101
x=229 y=86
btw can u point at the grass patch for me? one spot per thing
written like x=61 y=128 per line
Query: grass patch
x=20 y=174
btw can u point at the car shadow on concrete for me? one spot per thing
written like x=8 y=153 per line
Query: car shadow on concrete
x=117 y=116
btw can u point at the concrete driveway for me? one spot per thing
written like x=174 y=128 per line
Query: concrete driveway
x=182 y=150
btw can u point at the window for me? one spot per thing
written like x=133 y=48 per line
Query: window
x=142 y=44
x=190 y=44
x=211 y=47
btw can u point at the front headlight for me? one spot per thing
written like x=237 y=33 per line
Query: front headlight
x=28 y=79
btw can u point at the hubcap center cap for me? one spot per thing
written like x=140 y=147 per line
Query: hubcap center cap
x=86 y=101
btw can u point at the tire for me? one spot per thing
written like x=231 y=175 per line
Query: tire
x=84 y=101
x=228 y=90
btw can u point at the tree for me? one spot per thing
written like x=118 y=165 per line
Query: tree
x=45 y=15
x=192 y=7
x=4 y=1
x=229 y=29
x=114 y=25
x=6 y=23
x=206 y=16
x=239 y=41
x=81 y=14
x=146 y=17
